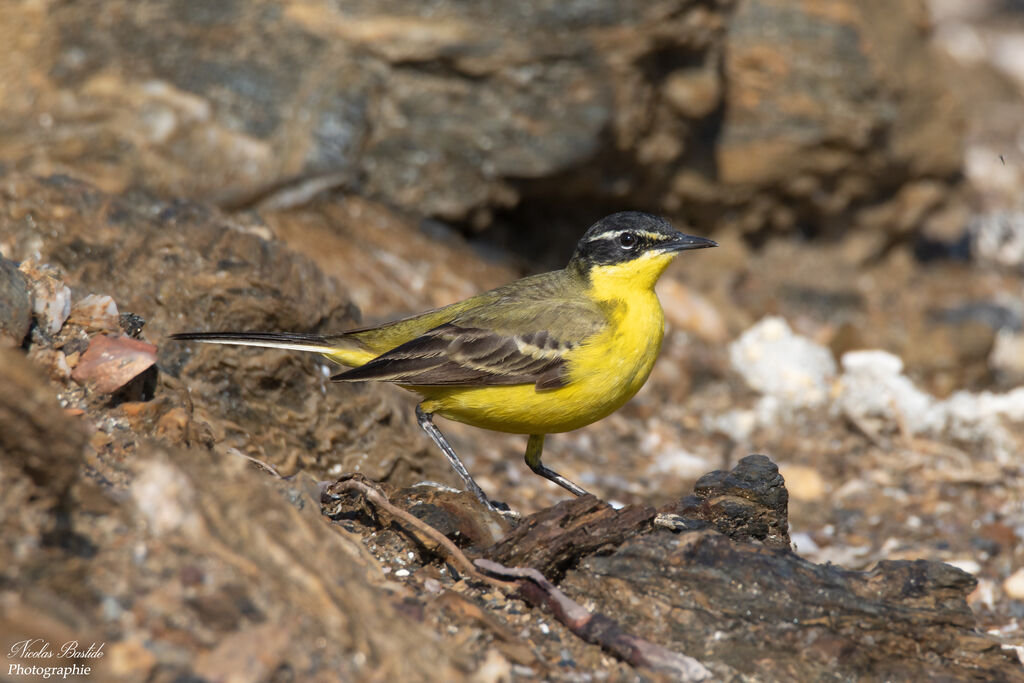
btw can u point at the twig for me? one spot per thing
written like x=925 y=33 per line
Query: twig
x=256 y=461
x=597 y=628
x=377 y=497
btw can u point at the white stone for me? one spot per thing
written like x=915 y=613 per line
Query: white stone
x=776 y=362
x=873 y=388
x=1013 y=586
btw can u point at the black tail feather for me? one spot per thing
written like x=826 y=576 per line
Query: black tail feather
x=286 y=337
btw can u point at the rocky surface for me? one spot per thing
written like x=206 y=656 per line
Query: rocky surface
x=283 y=166
x=834 y=118
x=187 y=459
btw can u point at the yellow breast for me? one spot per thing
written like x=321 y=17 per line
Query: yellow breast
x=605 y=370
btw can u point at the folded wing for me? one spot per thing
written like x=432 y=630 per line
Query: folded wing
x=511 y=341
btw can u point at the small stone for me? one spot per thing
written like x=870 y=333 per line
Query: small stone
x=494 y=668
x=775 y=361
x=96 y=312
x=51 y=298
x=165 y=498
x=128 y=660
x=15 y=305
x=873 y=387
x=804 y=483
x=694 y=93
x=53 y=361
x=999 y=237
x=111 y=362
x=983 y=595
x=1013 y=586
x=131 y=324
x=1007 y=356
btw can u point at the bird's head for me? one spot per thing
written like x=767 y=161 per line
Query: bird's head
x=630 y=250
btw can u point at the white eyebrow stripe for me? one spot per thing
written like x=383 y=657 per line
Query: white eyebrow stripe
x=655 y=236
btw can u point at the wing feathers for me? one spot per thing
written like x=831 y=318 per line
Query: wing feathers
x=453 y=355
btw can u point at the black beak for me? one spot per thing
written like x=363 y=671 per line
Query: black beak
x=683 y=242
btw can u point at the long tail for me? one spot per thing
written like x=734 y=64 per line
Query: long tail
x=334 y=347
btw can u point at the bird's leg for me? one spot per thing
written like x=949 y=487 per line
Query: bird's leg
x=534 y=447
x=427 y=424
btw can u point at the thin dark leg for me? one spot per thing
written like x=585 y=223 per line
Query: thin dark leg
x=427 y=423
x=534 y=447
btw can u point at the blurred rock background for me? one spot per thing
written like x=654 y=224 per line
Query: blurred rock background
x=309 y=165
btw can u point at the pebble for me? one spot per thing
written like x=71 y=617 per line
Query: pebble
x=15 y=305
x=1007 y=356
x=694 y=93
x=804 y=544
x=51 y=298
x=129 y=660
x=1013 y=586
x=803 y=483
x=54 y=362
x=873 y=387
x=494 y=669
x=999 y=237
x=983 y=595
x=96 y=312
x=775 y=361
x=165 y=498
x=111 y=362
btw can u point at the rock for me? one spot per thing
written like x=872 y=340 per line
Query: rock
x=775 y=361
x=15 y=305
x=783 y=617
x=1013 y=585
x=873 y=390
x=749 y=501
x=740 y=608
x=128 y=660
x=780 y=52
x=804 y=484
x=112 y=362
x=694 y=93
x=36 y=436
x=217 y=549
x=96 y=313
x=878 y=398
x=990 y=420
x=216 y=272
x=998 y=238
x=51 y=298
x=1007 y=357
x=253 y=653
x=459 y=110
x=54 y=362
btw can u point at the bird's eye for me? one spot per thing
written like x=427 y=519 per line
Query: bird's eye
x=627 y=240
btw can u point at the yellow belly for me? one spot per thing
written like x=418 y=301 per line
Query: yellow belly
x=604 y=373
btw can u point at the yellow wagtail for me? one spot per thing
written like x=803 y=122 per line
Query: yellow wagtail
x=548 y=353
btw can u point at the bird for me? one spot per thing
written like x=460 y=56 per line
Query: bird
x=546 y=354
